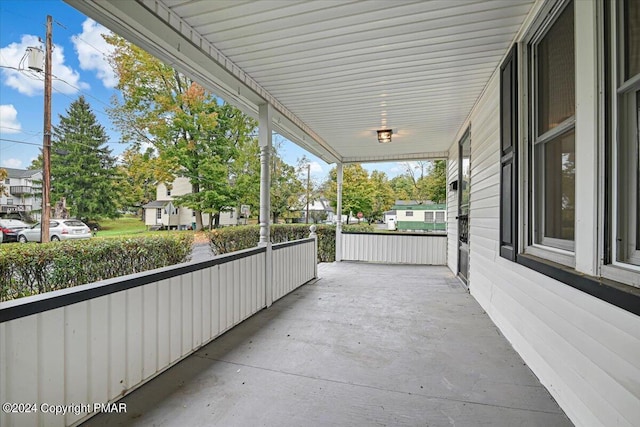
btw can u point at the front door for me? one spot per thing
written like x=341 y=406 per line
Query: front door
x=464 y=187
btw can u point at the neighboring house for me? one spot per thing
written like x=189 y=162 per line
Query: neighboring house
x=164 y=212
x=24 y=190
x=319 y=211
x=421 y=217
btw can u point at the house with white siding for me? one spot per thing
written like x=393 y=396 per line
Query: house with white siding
x=22 y=192
x=163 y=212
x=535 y=105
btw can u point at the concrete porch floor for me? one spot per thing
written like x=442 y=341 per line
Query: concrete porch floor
x=366 y=344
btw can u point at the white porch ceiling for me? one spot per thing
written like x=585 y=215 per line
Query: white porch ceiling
x=335 y=70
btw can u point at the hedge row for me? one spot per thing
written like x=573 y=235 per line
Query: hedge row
x=231 y=239
x=33 y=268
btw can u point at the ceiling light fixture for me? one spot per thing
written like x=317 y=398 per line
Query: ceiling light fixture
x=384 y=136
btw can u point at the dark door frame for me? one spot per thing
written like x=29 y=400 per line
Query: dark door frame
x=463 y=210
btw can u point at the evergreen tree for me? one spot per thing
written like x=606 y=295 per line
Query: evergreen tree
x=82 y=168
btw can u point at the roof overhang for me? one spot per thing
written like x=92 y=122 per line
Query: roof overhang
x=334 y=71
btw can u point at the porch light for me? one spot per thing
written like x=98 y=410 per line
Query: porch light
x=384 y=135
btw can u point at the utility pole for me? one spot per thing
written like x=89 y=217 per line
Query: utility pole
x=308 y=182
x=46 y=139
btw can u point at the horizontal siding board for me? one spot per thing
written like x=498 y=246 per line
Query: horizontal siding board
x=541 y=321
x=583 y=349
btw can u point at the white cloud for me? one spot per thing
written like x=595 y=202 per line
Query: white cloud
x=31 y=83
x=12 y=163
x=316 y=167
x=9 y=119
x=93 y=50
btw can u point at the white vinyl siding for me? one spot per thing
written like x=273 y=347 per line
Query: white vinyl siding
x=583 y=350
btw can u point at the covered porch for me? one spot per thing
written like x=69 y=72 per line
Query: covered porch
x=357 y=346
x=370 y=343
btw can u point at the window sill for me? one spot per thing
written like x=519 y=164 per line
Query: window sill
x=623 y=296
x=557 y=256
x=622 y=273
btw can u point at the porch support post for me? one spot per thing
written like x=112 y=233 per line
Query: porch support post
x=264 y=137
x=314 y=236
x=339 y=213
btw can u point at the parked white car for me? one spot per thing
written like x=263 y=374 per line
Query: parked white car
x=59 y=229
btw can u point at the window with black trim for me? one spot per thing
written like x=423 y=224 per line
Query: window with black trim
x=508 y=156
x=158 y=213
x=553 y=132
x=626 y=146
x=409 y=213
x=428 y=216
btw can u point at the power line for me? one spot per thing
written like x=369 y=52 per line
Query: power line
x=21 y=142
x=81 y=91
x=21 y=130
x=52 y=144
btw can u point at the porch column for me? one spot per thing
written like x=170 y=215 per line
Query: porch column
x=339 y=213
x=264 y=138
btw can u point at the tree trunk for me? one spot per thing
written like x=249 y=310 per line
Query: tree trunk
x=211 y=221
x=216 y=223
x=196 y=189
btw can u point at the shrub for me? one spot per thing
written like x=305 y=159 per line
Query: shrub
x=363 y=227
x=32 y=269
x=231 y=239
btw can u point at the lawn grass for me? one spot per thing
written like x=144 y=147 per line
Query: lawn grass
x=124 y=226
x=129 y=226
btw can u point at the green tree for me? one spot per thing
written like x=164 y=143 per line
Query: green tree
x=224 y=183
x=435 y=183
x=416 y=172
x=286 y=190
x=139 y=174
x=402 y=187
x=82 y=168
x=357 y=190
x=187 y=125
x=245 y=175
x=382 y=196
x=36 y=163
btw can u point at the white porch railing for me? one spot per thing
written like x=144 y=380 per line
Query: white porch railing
x=93 y=344
x=290 y=266
x=395 y=248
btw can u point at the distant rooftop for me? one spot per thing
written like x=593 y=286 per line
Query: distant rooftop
x=22 y=173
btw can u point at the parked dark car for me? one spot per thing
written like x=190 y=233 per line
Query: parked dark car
x=9 y=229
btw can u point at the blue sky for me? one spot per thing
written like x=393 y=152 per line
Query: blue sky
x=79 y=68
